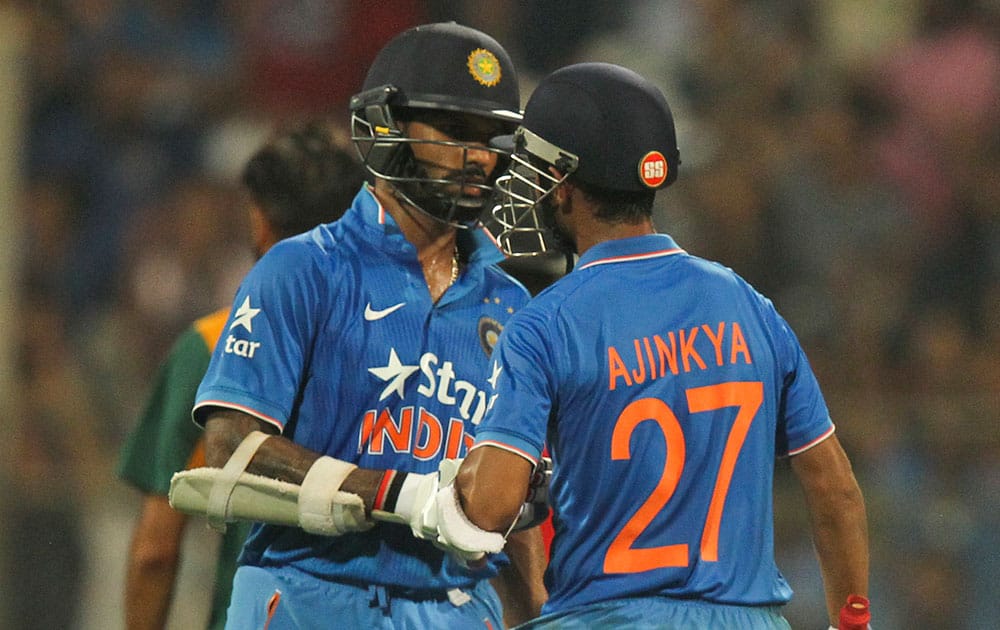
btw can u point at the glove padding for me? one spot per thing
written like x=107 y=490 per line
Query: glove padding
x=254 y=498
x=325 y=509
x=261 y=499
x=457 y=534
x=424 y=522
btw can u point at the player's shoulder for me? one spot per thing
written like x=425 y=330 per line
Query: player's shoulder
x=321 y=241
x=497 y=278
x=719 y=280
x=563 y=291
x=548 y=305
x=708 y=270
x=319 y=251
x=719 y=276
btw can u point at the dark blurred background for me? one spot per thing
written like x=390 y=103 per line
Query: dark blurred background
x=842 y=155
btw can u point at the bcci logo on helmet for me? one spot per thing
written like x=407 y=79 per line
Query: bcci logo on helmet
x=484 y=67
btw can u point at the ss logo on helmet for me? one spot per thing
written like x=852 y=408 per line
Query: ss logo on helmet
x=653 y=169
x=484 y=67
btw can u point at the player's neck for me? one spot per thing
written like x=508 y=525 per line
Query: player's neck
x=423 y=231
x=434 y=240
x=597 y=231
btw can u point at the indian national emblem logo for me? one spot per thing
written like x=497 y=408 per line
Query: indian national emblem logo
x=484 y=67
x=489 y=332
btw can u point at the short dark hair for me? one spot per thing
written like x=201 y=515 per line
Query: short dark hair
x=304 y=176
x=617 y=206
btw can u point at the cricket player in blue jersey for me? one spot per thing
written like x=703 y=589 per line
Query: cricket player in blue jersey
x=303 y=176
x=663 y=384
x=356 y=357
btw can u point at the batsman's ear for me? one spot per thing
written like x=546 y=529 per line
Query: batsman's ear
x=561 y=191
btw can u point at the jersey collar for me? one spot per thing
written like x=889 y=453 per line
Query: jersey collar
x=624 y=250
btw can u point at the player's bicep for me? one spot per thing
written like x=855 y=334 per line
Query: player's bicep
x=824 y=470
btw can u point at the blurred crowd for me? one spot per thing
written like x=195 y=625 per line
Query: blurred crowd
x=840 y=155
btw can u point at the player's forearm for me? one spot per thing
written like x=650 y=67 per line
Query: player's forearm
x=519 y=584
x=154 y=557
x=841 y=537
x=839 y=523
x=147 y=597
x=491 y=516
x=277 y=458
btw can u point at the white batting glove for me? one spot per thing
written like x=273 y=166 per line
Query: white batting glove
x=458 y=535
x=408 y=498
x=418 y=503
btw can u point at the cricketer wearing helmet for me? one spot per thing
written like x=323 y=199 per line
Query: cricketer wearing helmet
x=663 y=385
x=356 y=359
x=302 y=176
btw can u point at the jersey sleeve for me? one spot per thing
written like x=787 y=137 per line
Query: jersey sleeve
x=522 y=390
x=164 y=440
x=805 y=419
x=259 y=362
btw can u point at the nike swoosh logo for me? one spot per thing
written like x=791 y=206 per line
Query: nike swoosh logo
x=372 y=315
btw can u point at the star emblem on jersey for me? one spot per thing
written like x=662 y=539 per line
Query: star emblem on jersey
x=492 y=380
x=395 y=375
x=244 y=316
x=372 y=315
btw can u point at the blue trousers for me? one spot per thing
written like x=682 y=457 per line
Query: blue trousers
x=646 y=613
x=287 y=599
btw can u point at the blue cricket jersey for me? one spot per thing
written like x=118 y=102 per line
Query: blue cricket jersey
x=334 y=340
x=666 y=386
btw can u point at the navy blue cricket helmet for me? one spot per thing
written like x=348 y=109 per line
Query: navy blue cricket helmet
x=444 y=67
x=600 y=123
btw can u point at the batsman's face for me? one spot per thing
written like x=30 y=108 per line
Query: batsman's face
x=552 y=216
x=454 y=148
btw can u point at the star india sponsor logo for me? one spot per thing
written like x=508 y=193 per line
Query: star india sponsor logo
x=439 y=382
x=416 y=429
x=242 y=318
